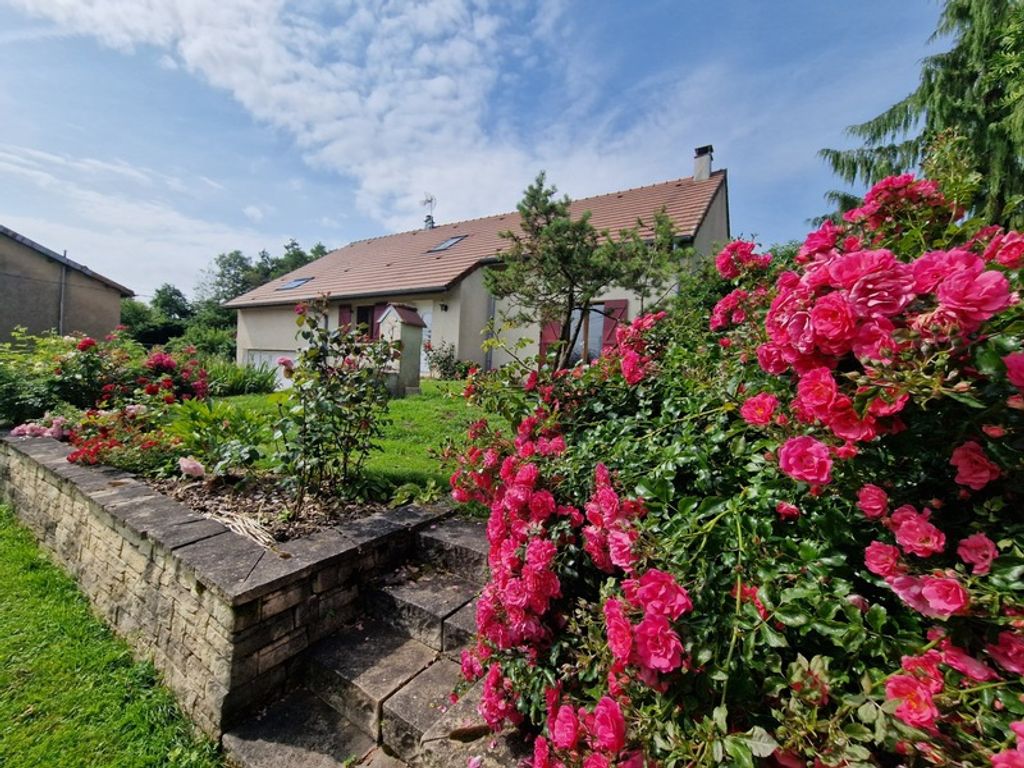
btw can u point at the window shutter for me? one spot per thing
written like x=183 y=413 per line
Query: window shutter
x=615 y=311
x=549 y=334
x=345 y=317
x=378 y=313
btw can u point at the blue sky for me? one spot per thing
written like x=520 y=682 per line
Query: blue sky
x=146 y=136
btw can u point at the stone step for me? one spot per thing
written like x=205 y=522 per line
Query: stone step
x=356 y=669
x=419 y=605
x=461 y=737
x=459 y=629
x=417 y=706
x=297 y=731
x=456 y=544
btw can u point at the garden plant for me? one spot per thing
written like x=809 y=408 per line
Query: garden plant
x=792 y=537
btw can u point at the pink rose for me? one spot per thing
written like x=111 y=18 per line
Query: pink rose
x=759 y=409
x=846 y=423
x=618 y=630
x=883 y=560
x=620 y=548
x=872 y=501
x=935 y=266
x=657 y=645
x=883 y=294
x=596 y=760
x=1008 y=652
x=770 y=358
x=609 y=726
x=917 y=536
x=787 y=511
x=974 y=298
x=973 y=467
x=1015 y=368
x=874 y=340
x=945 y=596
x=660 y=594
x=916 y=707
x=190 y=467
x=565 y=731
x=1008 y=758
x=1007 y=249
x=834 y=323
x=965 y=664
x=816 y=392
x=908 y=589
x=846 y=270
x=979 y=551
x=806 y=459
x=541 y=753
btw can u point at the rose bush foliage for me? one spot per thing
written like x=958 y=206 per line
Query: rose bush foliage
x=781 y=528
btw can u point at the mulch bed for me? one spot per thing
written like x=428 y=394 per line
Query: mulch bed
x=259 y=509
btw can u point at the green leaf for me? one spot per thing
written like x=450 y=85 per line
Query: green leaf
x=739 y=752
x=867 y=712
x=760 y=742
x=720 y=715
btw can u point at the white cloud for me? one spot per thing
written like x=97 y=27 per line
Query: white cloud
x=167 y=62
x=253 y=213
x=131 y=236
x=405 y=97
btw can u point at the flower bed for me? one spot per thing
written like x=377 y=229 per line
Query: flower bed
x=791 y=539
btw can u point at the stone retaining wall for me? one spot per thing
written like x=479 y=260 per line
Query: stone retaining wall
x=221 y=617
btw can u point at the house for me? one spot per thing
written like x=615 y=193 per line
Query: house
x=43 y=290
x=438 y=271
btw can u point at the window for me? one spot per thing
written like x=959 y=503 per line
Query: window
x=364 y=319
x=293 y=283
x=447 y=244
x=591 y=338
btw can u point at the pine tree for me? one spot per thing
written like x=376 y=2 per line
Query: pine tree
x=974 y=89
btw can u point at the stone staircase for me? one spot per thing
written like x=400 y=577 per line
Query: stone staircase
x=380 y=691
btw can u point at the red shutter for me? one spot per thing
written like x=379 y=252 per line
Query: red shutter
x=549 y=334
x=345 y=317
x=615 y=311
x=378 y=313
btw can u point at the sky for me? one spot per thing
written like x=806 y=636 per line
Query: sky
x=144 y=137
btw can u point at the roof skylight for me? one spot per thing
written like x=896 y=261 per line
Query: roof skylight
x=447 y=243
x=293 y=283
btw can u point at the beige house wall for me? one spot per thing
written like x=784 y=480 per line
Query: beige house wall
x=30 y=286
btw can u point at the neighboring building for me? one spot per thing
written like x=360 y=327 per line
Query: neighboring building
x=439 y=271
x=42 y=290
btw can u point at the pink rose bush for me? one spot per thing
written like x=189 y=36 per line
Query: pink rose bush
x=799 y=545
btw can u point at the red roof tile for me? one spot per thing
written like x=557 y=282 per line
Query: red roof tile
x=403 y=263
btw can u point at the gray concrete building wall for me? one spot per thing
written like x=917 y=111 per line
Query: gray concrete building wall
x=30 y=295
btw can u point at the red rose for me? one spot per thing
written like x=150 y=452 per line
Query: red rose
x=806 y=459
x=86 y=343
x=973 y=468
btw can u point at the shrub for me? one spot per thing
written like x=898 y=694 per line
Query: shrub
x=336 y=405
x=791 y=538
x=227 y=379
x=206 y=341
x=222 y=436
x=443 y=362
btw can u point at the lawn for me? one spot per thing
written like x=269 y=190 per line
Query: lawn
x=419 y=427
x=70 y=692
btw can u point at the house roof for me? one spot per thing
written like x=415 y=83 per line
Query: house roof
x=418 y=262
x=61 y=259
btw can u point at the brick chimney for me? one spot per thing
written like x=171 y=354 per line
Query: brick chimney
x=702 y=162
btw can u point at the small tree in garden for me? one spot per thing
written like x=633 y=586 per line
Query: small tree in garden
x=800 y=544
x=556 y=265
x=336 y=406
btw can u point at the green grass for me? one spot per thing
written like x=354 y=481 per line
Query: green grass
x=70 y=693
x=420 y=426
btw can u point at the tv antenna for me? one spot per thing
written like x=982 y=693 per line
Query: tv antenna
x=429 y=201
